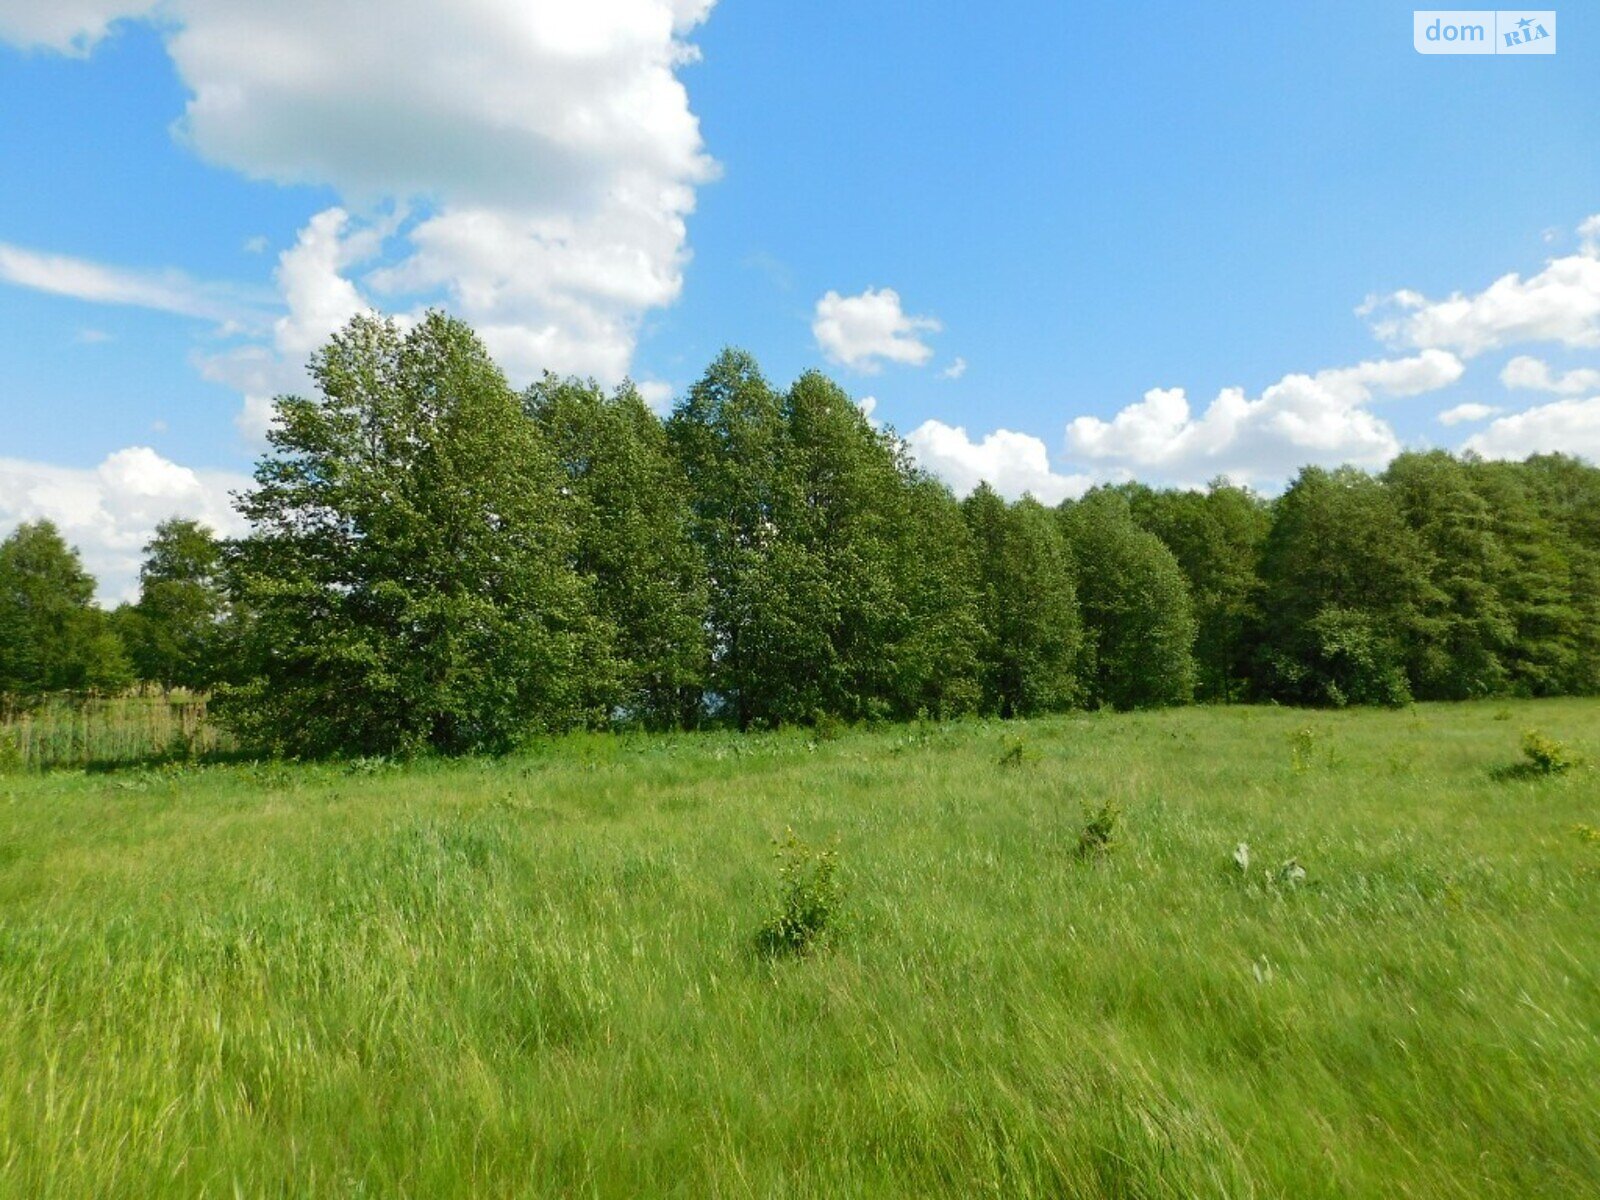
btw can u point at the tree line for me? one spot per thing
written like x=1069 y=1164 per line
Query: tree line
x=438 y=562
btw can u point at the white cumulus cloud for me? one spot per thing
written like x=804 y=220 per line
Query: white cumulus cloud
x=868 y=330
x=1562 y=426
x=1466 y=414
x=1560 y=304
x=1533 y=374
x=1301 y=419
x=547 y=147
x=1011 y=463
x=110 y=511
x=956 y=369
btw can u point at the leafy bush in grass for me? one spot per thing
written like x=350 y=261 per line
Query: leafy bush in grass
x=1545 y=755
x=810 y=899
x=1099 y=833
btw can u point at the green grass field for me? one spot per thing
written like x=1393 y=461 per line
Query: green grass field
x=538 y=976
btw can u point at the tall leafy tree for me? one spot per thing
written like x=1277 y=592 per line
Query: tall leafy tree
x=408 y=580
x=1216 y=536
x=630 y=504
x=1473 y=627
x=52 y=636
x=1031 y=631
x=175 y=634
x=1137 y=615
x=1538 y=582
x=936 y=667
x=728 y=436
x=842 y=508
x=1347 y=591
x=1569 y=492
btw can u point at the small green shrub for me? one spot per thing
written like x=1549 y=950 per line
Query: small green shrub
x=1015 y=753
x=825 y=727
x=11 y=759
x=1545 y=755
x=810 y=899
x=1099 y=832
x=1302 y=747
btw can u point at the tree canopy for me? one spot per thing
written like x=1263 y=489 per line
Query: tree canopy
x=434 y=562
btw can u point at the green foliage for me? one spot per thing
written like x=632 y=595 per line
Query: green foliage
x=809 y=902
x=1545 y=755
x=1032 y=633
x=823 y=595
x=1216 y=537
x=1136 y=608
x=437 y=564
x=176 y=633
x=52 y=637
x=1346 y=592
x=1099 y=833
x=1302 y=749
x=408 y=583
x=1015 y=753
x=629 y=502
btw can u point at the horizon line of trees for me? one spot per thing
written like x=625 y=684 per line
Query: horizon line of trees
x=438 y=562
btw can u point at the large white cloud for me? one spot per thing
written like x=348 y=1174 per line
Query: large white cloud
x=547 y=145
x=1301 y=419
x=110 y=511
x=868 y=330
x=1563 y=426
x=1011 y=463
x=1560 y=304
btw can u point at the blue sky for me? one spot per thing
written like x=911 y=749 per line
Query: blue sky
x=1043 y=239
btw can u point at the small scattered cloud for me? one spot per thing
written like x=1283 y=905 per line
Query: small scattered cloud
x=1466 y=414
x=657 y=394
x=956 y=369
x=863 y=332
x=1532 y=374
x=1562 y=426
x=256 y=245
x=1012 y=463
x=92 y=337
x=869 y=405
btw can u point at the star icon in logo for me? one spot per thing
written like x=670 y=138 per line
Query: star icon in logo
x=1524 y=23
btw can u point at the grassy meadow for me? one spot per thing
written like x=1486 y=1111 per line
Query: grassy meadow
x=538 y=975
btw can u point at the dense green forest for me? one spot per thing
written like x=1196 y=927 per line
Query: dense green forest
x=436 y=562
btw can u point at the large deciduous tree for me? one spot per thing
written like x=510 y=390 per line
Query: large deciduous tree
x=176 y=632
x=408 y=582
x=1347 y=593
x=52 y=636
x=1030 y=627
x=1138 y=619
x=630 y=503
